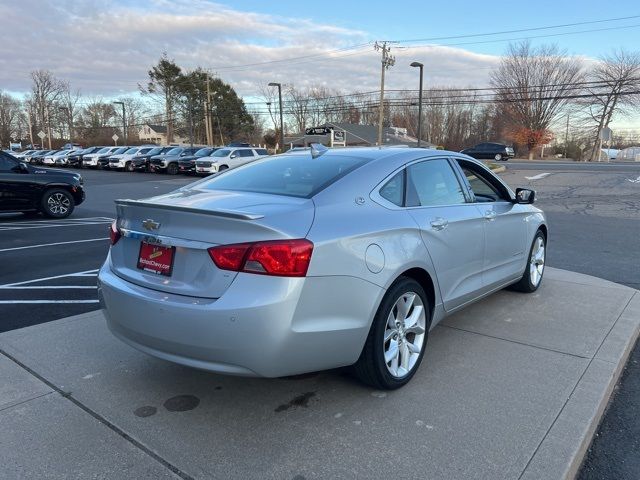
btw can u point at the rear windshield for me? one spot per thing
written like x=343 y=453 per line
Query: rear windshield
x=290 y=175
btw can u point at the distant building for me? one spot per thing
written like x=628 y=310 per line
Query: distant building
x=352 y=135
x=158 y=134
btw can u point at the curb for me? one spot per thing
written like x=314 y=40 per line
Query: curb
x=554 y=457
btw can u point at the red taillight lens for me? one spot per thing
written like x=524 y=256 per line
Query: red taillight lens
x=285 y=258
x=114 y=233
x=229 y=257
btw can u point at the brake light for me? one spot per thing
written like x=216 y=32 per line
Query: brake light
x=283 y=258
x=114 y=233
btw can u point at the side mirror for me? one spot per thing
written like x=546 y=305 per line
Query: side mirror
x=233 y=155
x=525 y=196
x=20 y=168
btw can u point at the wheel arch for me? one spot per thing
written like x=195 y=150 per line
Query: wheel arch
x=423 y=277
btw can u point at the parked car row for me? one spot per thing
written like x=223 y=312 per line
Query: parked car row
x=148 y=158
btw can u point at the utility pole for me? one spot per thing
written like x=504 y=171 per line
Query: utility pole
x=207 y=117
x=30 y=126
x=124 y=123
x=274 y=84
x=421 y=66
x=49 y=126
x=387 y=62
x=566 y=137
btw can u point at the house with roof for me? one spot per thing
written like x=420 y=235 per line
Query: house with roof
x=158 y=134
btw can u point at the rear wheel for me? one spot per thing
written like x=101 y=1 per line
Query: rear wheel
x=398 y=337
x=172 y=169
x=532 y=276
x=57 y=203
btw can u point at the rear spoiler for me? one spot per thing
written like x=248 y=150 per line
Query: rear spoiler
x=235 y=214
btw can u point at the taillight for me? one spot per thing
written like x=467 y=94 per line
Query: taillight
x=284 y=258
x=114 y=233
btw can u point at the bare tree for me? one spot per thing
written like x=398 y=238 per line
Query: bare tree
x=614 y=90
x=10 y=119
x=46 y=90
x=533 y=84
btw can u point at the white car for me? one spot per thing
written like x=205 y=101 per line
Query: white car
x=91 y=160
x=123 y=161
x=54 y=157
x=229 y=158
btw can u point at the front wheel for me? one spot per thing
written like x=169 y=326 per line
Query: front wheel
x=129 y=167
x=57 y=203
x=498 y=157
x=532 y=276
x=397 y=338
x=172 y=169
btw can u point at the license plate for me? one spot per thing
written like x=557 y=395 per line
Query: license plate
x=156 y=258
x=200 y=169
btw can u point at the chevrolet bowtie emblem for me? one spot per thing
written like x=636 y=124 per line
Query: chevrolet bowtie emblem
x=150 y=224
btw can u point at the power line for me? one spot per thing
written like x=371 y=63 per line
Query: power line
x=504 y=32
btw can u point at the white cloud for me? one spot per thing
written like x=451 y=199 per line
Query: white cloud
x=107 y=47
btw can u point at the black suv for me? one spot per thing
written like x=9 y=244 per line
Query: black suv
x=491 y=151
x=27 y=188
x=141 y=163
x=169 y=161
x=188 y=164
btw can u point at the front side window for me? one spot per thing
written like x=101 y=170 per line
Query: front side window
x=262 y=151
x=6 y=163
x=432 y=183
x=221 y=153
x=483 y=186
x=245 y=153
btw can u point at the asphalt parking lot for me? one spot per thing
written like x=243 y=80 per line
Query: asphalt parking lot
x=48 y=267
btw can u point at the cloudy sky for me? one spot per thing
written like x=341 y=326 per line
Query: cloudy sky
x=105 y=47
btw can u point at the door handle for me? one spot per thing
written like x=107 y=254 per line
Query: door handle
x=490 y=215
x=439 y=223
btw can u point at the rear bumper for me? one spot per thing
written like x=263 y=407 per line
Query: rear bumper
x=261 y=326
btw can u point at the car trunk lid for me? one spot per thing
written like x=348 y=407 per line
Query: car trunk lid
x=190 y=222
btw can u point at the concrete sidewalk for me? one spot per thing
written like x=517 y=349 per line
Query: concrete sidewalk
x=511 y=388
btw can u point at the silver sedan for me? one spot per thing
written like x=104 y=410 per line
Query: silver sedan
x=316 y=260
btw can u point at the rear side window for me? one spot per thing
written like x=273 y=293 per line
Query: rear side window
x=290 y=175
x=393 y=190
x=432 y=183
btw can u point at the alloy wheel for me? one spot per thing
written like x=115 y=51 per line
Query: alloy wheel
x=58 y=204
x=536 y=264
x=404 y=334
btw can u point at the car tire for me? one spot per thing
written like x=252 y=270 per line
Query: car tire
x=372 y=367
x=128 y=167
x=498 y=157
x=172 y=169
x=222 y=167
x=57 y=203
x=534 y=271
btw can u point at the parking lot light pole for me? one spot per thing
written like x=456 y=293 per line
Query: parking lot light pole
x=274 y=84
x=124 y=123
x=421 y=66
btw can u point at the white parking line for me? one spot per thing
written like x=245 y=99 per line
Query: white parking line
x=52 y=244
x=637 y=180
x=31 y=227
x=5 y=302
x=85 y=273
x=538 y=177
